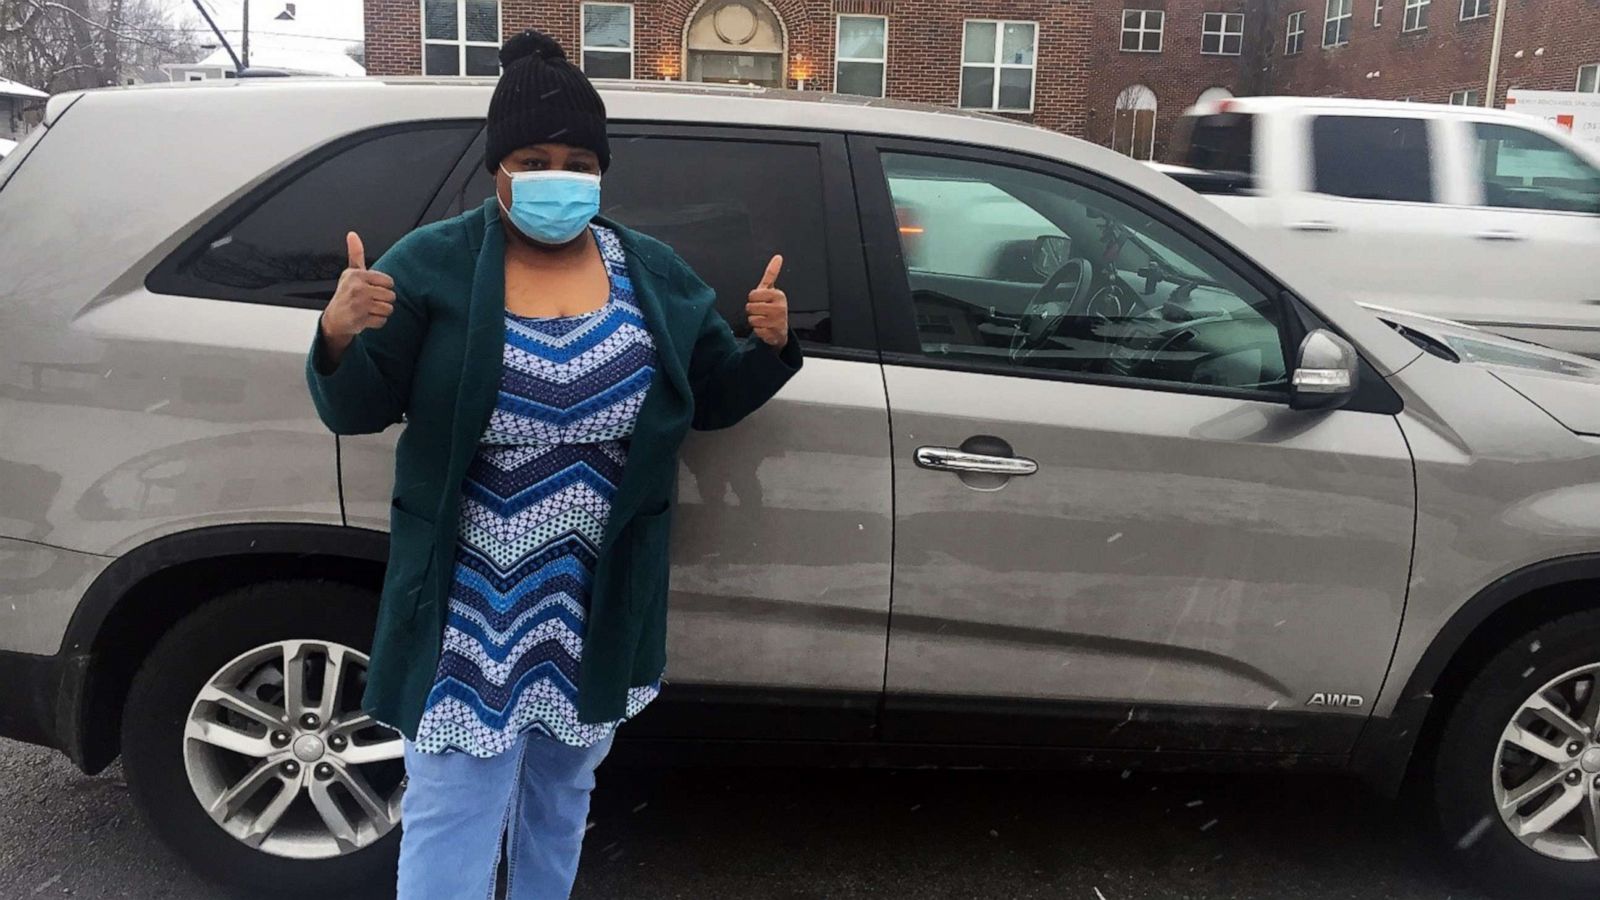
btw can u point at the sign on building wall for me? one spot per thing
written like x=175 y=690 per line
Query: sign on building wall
x=1570 y=111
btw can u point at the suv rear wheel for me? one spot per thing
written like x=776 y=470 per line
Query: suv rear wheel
x=246 y=747
x=1517 y=775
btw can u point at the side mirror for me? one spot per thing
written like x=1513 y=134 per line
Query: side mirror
x=1325 y=373
x=1050 y=253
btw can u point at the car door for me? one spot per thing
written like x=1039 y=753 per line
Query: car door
x=1372 y=207
x=1110 y=527
x=781 y=553
x=1533 y=218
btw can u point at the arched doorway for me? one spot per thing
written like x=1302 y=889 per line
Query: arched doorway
x=1213 y=94
x=1133 y=131
x=735 y=42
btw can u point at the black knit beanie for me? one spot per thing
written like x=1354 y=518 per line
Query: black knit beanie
x=543 y=99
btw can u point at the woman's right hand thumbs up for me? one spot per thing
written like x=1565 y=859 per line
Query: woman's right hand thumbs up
x=364 y=298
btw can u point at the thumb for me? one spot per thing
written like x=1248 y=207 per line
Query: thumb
x=770 y=276
x=358 y=253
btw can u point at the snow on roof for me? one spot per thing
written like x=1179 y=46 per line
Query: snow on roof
x=296 y=60
x=11 y=88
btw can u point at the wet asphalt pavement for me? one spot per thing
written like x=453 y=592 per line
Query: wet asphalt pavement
x=792 y=834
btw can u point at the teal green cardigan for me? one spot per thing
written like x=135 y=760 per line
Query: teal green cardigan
x=436 y=366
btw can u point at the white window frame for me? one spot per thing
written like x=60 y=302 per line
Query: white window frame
x=1223 y=35
x=1328 y=16
x=1144 y=28
x=461 y=43
x=1464 y=97
x=1420 y=7
x=998 y=65
x=1377 y=14
x=838 y=57
x=1477 y=5
x=633 y=27
x=1594 y=69
x=1294 y=34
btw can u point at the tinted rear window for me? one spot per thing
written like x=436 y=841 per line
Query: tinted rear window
x=285 y=243
x=1224 y=141
x=1372 y=158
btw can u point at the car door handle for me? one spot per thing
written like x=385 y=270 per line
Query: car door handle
x=1315 y=225
x=949 y=459
x=1498 y=234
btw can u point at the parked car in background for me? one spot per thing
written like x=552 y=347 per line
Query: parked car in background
x=1137 y=488
x=1478 y=215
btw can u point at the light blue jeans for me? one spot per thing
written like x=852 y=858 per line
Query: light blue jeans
x=457 y=808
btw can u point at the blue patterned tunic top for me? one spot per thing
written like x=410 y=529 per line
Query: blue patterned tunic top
x=533 y=507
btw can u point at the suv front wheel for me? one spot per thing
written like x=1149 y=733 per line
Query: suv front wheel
x=245 y=745
x=1517 y=772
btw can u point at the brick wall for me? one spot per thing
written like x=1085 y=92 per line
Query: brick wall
x=932 y=74
x=1081 y=68
x=924 y=42
x=1178 y=74
x=1387 y=63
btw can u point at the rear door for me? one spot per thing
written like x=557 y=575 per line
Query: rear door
x=782 y=536
x=1157 y=551
x=1533 y=215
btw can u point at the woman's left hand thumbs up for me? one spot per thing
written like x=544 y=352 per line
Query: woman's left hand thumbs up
x=768 y=308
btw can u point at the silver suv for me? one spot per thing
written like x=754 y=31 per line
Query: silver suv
x=1078 y=472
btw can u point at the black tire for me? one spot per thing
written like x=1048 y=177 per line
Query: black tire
x=159 y=702
x=1471 y=828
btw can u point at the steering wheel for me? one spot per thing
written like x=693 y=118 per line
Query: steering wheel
x=1042 y=317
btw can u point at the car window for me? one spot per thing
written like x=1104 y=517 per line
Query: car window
x=1372 y=158
x=1057 y=277
x=1223 y=142
x=286 y=245
x=982 y=232
x=742 y=202
x=1522 y=169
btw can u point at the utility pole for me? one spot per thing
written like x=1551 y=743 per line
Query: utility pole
x=1494 y=52
x=244 y=43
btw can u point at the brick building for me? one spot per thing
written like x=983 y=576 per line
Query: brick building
x=1436 y=51
x=1118 y=72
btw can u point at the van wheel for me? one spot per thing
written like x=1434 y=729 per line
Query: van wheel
x=246 y=747
x=1517 y=772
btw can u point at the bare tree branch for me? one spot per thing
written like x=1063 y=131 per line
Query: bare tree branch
x=107 y=29
x=66 y=44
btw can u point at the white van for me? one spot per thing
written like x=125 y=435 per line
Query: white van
x=1478 y=215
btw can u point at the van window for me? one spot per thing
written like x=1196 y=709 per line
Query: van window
x=726 y=206
x=285 y=245
x=1372 y=158
x=1522 y=169
x=1223 y=142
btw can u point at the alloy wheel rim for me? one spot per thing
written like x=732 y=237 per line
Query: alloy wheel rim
x=1547 y=768
x=280 y=755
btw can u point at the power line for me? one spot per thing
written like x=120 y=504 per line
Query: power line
x=256 y=32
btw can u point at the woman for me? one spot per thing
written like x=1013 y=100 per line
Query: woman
x=547 y=364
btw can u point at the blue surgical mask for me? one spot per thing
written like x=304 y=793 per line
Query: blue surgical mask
x=552 y=207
